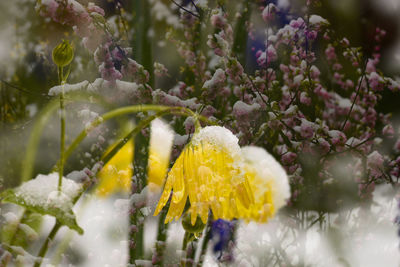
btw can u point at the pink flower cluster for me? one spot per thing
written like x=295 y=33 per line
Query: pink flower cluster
x=72 y=13
x=90 y=24
x=303 y=100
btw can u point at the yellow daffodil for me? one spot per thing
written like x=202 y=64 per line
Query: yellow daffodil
x=268 y=181
x=210 y=172
x=161 y=138
x=116 y=175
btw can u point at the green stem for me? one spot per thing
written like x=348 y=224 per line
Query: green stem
x=189 y=245
x=117 y=112
x=45 y=245
x=206 y=239
x=136 y=234
x=184 y=247
x=161 y=238
x=62 y=132
x=41 y=121
x=128 y=110
x=142 y=44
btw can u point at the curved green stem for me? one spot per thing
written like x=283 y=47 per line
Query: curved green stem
x=45 y=245
x=206 y=239
x=162 y=110
x=124 y=111
x=34 y=139
x=188 y=247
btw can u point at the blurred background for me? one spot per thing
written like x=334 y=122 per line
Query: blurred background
x=27 y=73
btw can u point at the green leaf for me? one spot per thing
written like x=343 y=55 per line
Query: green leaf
x=64 y=216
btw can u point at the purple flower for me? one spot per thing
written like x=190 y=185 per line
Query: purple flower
x=221 y=236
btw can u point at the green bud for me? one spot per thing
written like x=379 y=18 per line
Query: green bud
x=194 y=229
x=98 y=18
x=63 y=54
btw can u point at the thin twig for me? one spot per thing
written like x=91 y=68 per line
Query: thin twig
x=22 y=89
x=185 y=9
x=196 y=7
x=355 y=98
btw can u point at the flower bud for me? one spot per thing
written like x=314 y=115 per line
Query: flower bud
x=194 y=229
x=63 y=54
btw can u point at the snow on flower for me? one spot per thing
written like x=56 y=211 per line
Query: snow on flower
x=242 y=109
x=210 y=173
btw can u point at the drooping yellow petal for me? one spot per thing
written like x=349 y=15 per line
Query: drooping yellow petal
x=116 y=175
x=175 y=210
x=178 y=181
x=161 y=138
x=209 y=172
x=164 y=197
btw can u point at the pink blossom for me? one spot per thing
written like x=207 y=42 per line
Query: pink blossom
x=269 y=12
x=375 y=163
x=298 y=23
x=306 y=129
x=109 y=73
x=397 y=145
x=330 y=53
x=324 y=145
x=288 y=158
x=375 y=81
x=304 y=99
x=337 y=137
x=218 y=21
x=388 y=130
x=93 y=8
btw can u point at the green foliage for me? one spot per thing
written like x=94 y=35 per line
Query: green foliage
x=65 y=217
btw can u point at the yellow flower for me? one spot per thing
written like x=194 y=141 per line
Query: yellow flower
x=268 y=181
x=210 y=173
x=161 y=138
x=116 y=175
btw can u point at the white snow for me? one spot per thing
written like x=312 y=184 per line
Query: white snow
x=363 y=237
x=42 y=191
x=161 y=138
x=241 y=108
x=10 y=218
x=218 y=78
x=87 y=115
x=139 y=198
x=174 y=100
x=127 y=87
x=219 y=137
x=94 y=86
x=317 y=20
x=68 y=88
